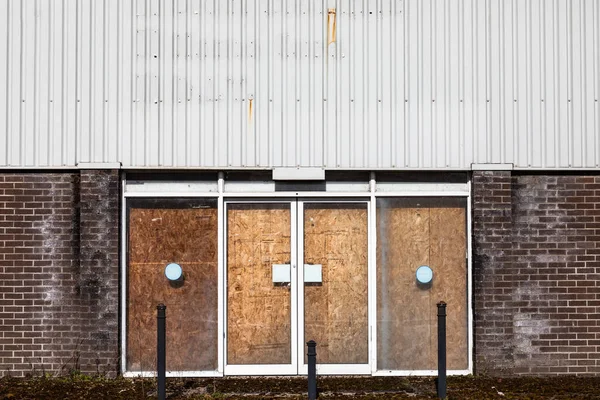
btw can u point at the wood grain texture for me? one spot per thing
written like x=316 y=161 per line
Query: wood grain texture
x=410 y=234
x=336 y=312
x=258 y=311
x=188 y=237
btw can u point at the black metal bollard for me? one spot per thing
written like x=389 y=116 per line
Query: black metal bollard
x=441 y=384
x=161 y=350
x=312 y=369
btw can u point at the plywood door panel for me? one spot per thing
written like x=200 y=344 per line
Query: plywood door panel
x=412 y=233
x=158 y=236
x=405 y=330
x=258 y=311
x=336 y=316
x=448 y=255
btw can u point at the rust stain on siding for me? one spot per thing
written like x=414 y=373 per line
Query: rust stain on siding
x=331 y=26
x=250 y=109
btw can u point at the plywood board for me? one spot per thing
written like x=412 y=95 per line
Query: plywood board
x=411 y=234
x=336 y=312
x=188 y=237
x=448 y=254
x=258 y=310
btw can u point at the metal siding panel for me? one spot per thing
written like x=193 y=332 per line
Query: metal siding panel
x=4 y=82
x=97 y=74
x=576 y=111
x=536 y=143
x=596 y=81
x=27 y=140
x=386 y=105
x=42 y=95
x=330 y=100
x=589 y=84
x=372 y=133
x=240 y=83
x=413 y=37
x=565 y=87
x=467 y=101
x=480 y=110
x=53 y=122
x=126 y=78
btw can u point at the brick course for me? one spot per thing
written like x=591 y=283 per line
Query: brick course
x=536 y=245
x=51 y=307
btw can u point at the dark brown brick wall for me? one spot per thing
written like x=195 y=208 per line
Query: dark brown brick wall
x=58 y=296
x=536 y=242
x=492 y=270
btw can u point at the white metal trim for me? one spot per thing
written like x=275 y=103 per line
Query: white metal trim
x=300 y=287
x=172 y=194
x=123 y=273
x=373 y=275
x=469 y=255
x=295 y=195
x=220 y=276
x=296 y=200
x=261 y=369
x=469 y=370
x=384 y=187
x=223 y=314
x=123 y=294
x=298 y=174
x=329 y=369
x=422 y=194
x=175 y=186
x=297 y=270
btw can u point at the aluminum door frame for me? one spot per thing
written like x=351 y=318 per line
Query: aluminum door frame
x=264 y=369
x=333 y=369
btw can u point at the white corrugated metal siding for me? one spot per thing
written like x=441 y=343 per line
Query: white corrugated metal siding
x=262 y=83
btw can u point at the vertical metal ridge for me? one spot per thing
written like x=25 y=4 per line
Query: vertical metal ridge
x=596 y=47
x=5 y=41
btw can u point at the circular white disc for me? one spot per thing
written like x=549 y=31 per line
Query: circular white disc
x=424 y=274
x=173 y=272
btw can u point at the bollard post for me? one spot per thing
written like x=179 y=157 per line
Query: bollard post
x=441 y=384
x=161 y=350
x=312 y=369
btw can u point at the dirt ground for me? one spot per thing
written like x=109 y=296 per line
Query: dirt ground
x=467 y=388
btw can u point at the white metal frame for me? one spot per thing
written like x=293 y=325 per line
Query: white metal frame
x=294 y=198
x=332 y=369
x=469 y=370
x=123 y=273
x=264 y=369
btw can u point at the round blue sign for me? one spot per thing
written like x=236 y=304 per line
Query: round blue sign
x=173 y=272
x=424 y=274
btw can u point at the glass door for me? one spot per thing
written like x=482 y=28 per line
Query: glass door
x=333 y=302
x=296 y=271
x=261 y=305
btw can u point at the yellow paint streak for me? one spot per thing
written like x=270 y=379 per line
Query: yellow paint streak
x=331 y=28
